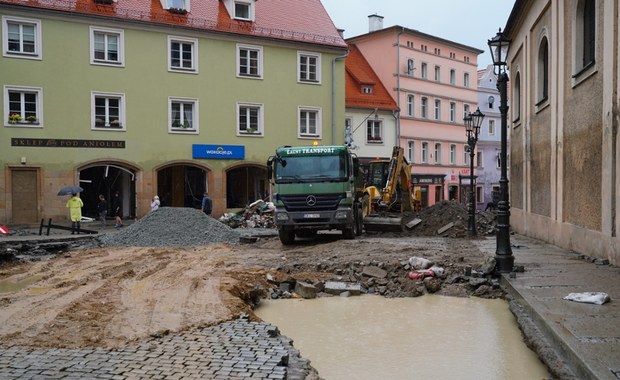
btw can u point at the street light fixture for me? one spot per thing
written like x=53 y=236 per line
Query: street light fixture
x=472 y=129
x=503 y=254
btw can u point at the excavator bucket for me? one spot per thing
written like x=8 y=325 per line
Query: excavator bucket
x=384 y=223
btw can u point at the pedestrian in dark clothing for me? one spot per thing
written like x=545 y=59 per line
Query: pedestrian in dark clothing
x=117 y=209
x=207 y=204
x=102 y=209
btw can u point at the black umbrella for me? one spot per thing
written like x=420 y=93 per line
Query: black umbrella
x=68 y=190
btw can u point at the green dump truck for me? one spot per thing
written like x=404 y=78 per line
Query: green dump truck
x=316 y=188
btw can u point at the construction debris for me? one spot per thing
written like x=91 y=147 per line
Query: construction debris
x=258 y=214
x=449 y=219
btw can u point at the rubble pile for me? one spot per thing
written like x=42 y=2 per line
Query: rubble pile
x=258 y=214
x=449 y=219
x=172 y=227
x=407 y=278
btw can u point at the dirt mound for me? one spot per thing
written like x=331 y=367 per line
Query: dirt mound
x=443 y=213
x=172 y=227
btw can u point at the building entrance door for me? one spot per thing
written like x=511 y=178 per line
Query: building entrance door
x=24 y=190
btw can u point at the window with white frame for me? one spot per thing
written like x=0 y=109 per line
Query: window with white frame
x=249 y=61
x=466 y=155
x=453 y=77
x=178 y=4
x=244 y=10
x=424 y=107
x=437 y=153
x=410 y=151
x=22 y=106
x=479 y=194
x=452 y=112
x=465 y=110
x=491 y=127
x=108 y=110
x=437 y=74
x=516 y=97
x=374 y=132
x=106 y=46
x=309 y=122
x=21 y=37
x=182 y=54
x=542 y=72
x=437 y=109
x=584 y=36
x=452 y=154
x=466 y=80
x=309 y=67
x=183 y=115
x=424 y=69
x=479 y=159
x=249 y=119
x=410 y=105
x=424 y=153
x=410 y=66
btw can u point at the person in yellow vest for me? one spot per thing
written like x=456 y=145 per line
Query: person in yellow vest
x=74 y=204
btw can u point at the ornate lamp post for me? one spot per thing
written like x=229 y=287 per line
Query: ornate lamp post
x=472 y=129
x=503 y=254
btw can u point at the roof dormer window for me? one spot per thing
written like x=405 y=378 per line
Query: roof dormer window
x=367 y=89
x=182 y=5
x=242 y=10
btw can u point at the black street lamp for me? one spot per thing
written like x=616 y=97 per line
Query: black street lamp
x=503 y=254
x=472 y=129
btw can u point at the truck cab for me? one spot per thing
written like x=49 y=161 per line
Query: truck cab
x=315 y=189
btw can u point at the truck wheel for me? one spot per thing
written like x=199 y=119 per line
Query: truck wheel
x=348 y=233
x=286 y=237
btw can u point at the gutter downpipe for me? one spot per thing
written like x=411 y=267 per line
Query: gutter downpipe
x=402 y=31
x=334 y=94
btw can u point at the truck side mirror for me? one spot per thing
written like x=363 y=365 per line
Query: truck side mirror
x=270 y=167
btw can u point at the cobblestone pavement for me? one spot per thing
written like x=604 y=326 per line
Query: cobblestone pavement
x=237 y=349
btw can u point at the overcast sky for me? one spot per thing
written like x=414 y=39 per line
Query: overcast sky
x=469 y=22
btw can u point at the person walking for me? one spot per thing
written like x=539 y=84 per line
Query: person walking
x=75 y=204
x=207 y=204
x=117 y=209
x=155 y=203
x=102 y=209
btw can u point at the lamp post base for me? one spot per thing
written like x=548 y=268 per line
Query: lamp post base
x=504 y=263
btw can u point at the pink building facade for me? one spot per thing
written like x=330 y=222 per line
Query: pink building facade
x=434 y=83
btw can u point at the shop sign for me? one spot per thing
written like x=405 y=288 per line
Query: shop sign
x=427 y=180
x=68 y=143
x=218 y=152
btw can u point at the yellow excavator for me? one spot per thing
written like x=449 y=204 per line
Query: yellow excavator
x=388 y=194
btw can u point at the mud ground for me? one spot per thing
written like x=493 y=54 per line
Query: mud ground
x=108 y=297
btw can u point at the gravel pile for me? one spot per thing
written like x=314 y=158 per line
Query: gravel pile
x=172 y=227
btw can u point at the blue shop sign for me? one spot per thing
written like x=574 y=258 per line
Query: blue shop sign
x=222 y=152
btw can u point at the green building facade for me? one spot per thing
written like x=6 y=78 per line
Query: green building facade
x=154 y=103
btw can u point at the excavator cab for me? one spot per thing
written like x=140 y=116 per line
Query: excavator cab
x=387 y=194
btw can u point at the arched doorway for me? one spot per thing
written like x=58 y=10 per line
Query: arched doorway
x=106 y=179
x=245 y=185
x=181 y=185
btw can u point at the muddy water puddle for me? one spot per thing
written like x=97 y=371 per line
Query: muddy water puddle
x=429 y=337
x=7 y=286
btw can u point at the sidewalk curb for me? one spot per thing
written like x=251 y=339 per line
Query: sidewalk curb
x=556 y=340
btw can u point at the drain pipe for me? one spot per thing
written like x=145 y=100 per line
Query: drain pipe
x=402 y=31
x=340 y=58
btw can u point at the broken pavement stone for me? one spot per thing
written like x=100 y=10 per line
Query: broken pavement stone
x=335 y=288
x=413 y=223
x=445 y=228
x=371 y=271
x=307 y=291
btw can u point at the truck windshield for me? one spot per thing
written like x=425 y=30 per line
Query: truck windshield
x=311 y=168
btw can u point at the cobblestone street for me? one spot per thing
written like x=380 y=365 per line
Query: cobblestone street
x=238 y=349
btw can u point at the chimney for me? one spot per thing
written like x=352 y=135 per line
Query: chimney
x=375 y=22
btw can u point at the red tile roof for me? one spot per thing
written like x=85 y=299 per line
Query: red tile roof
x=303 y=21
x=358 y=73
